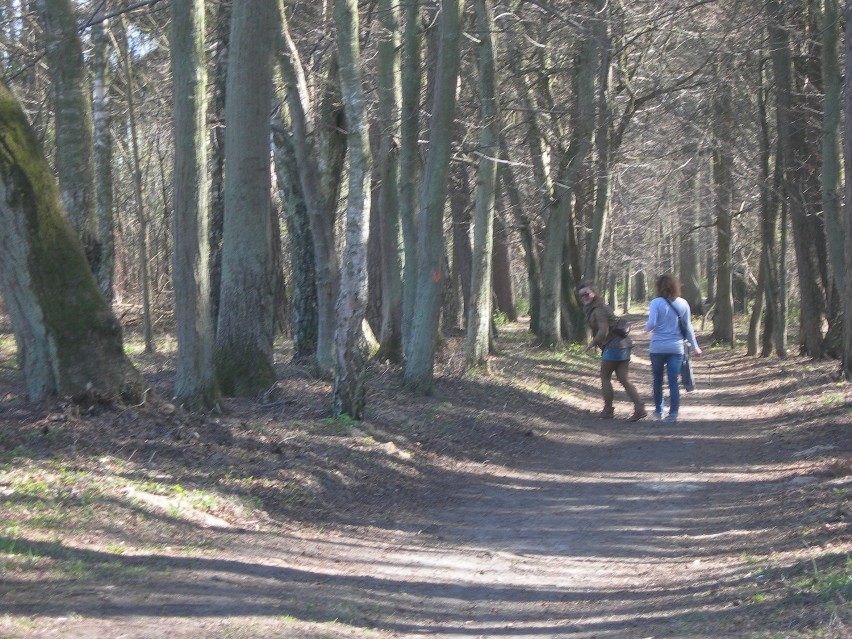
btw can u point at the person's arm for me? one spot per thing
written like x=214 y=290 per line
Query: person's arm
x=651 y=324
x=690 y=333
x=602 y=321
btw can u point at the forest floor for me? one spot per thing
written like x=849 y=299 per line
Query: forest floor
x=500 y=506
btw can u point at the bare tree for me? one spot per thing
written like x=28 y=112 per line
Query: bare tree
x=350 y=354
x=431 y=266
x=479 y=319
x=195 y=383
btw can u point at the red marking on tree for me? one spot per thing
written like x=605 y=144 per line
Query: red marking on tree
x=437 y=274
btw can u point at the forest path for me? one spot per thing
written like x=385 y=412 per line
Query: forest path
x=601 y=528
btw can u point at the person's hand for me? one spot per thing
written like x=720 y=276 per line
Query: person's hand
x=589 y=347
x=698 y=352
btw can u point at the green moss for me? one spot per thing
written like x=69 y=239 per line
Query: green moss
x=84 y=334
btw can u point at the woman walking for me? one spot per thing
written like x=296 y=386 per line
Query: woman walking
x=615 y=357
x=669 y=319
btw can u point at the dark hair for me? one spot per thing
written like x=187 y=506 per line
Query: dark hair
x=587 y=285
x=668 y=286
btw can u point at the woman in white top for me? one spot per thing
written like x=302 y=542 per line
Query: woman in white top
x=667 y=342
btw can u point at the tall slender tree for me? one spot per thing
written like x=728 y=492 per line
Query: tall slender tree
x=74 y=123
x=570 y=168
x=102 y=115
x=389 y=97
x=479 y=319
x=409 y=155
x=195 y=380
x=847 y=209
x=350 y=354
x=431 y=265
x=319 y=152
x=723 y=185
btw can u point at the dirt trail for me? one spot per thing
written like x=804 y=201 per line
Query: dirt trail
x=601 y=528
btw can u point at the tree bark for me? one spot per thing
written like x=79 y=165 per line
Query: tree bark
x=195 y=376
x=793 y=151
x=409 y=162
x=75 y=135
x=479 y=318
x=430 y=267
x=600 y=216
x=831 y=150
x=350 y=354
x=69 y=342
x=217 y=152
x=847 y=209
x=504 y=295
x=319 y=159
x=528 y=241
x=723 y=191
x=303 y=303
x=138 y=196
x=392 y=252
x=550 y=317
x=245 y=327
x=103 y=160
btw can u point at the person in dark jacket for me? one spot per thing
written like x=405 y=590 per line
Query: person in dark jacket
x=615 y=352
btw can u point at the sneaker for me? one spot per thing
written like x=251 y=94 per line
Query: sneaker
x=670 y=418
x=658 y=415
x=607 y=413
x=637 y=415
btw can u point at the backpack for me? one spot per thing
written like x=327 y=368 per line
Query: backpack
x=621 y=328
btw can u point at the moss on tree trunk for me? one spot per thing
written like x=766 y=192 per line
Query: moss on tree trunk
x=67 y=336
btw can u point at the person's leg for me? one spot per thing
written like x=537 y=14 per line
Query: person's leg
x=673 y=365
x=607 y=368
x=658 y=362
x=622 y=373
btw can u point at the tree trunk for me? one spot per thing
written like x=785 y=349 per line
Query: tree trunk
x=600 y=215
x=791 y=139
x=769 y=198
x=690 y=257
x=571 y=165
x=303 y=302
x=350 y=355
x=319 y=158
x=831 y=152
x=103 y=160
x=389 y=93
x=138 y=198
x=847 y=209
x=504 y=295
x=723 y=187
x=531 y=257
x=479 y=318
x=195 y=375
x=69 y=342
x=408 y=162
x=75 y=136
x=430 y=267
x=459 y=194
x=245 y=328
x=217 y=153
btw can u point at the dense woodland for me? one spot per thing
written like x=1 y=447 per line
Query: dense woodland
x=364 y=177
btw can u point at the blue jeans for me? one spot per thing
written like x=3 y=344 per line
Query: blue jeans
x=671 y=362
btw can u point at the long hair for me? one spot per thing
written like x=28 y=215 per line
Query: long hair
x=668 y=286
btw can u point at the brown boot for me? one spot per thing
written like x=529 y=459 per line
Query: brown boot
x=638 y=413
